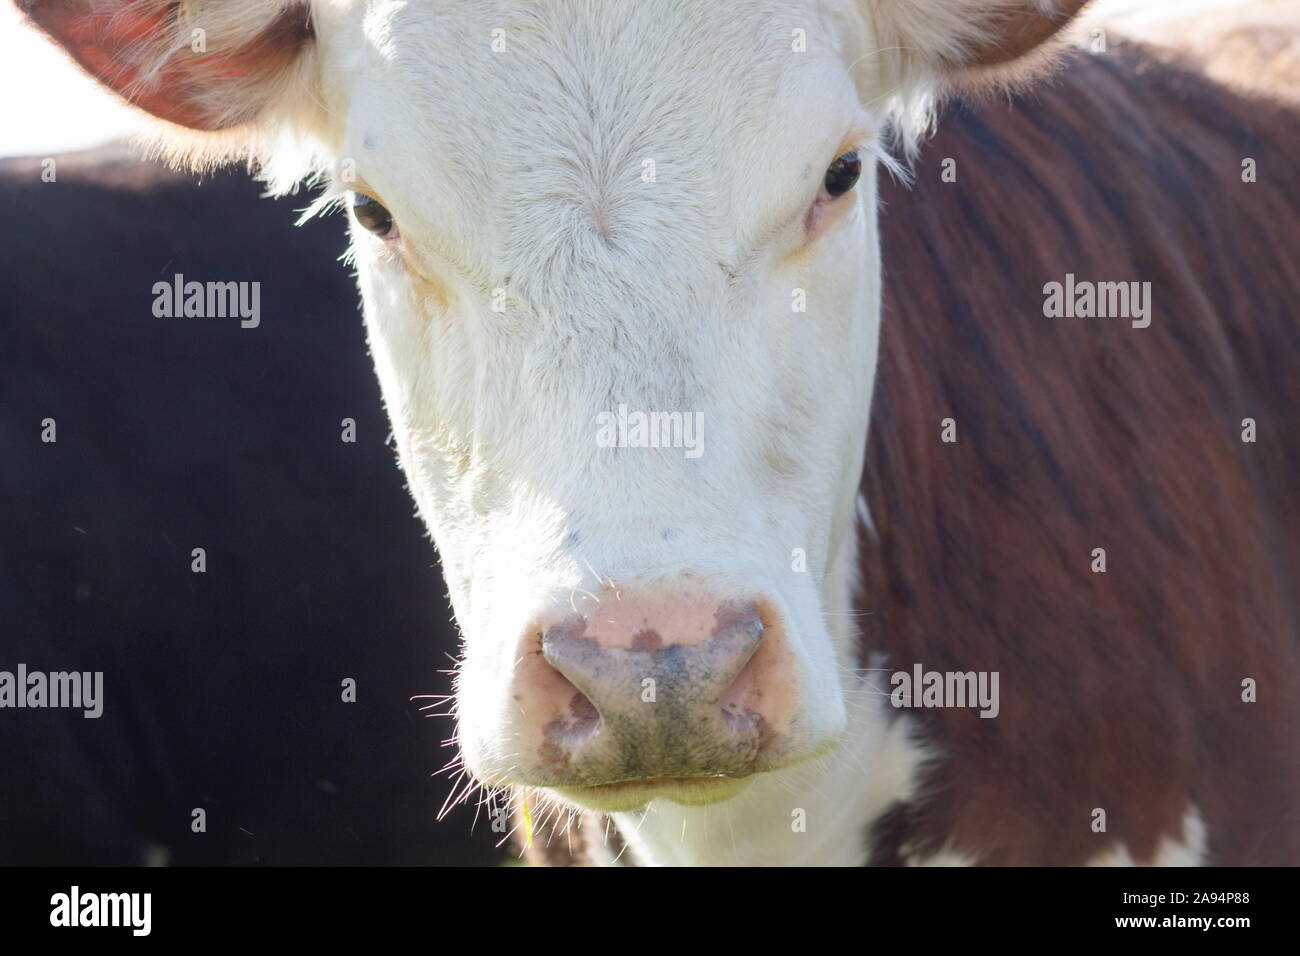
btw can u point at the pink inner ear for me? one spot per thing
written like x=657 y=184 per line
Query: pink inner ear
x=118 y=44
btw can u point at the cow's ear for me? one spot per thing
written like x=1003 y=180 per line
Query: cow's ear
x=925 y=49
x=955 y=37
x=203 y=64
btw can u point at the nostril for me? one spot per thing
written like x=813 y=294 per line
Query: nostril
x=582 y=723
x=738 y=717
x=575 y=718
x=741 y=703
x=583 y=710
x=699 y=657
x=742 y=616
x=585 y=721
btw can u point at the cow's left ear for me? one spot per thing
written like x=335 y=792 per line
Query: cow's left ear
x=955 y=37
x=206 y=65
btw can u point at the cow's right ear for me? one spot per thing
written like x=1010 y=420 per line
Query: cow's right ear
x=955 y=36
x=206 y=65
x=926 y=49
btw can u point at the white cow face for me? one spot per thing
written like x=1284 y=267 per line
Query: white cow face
x=603 y=214
x=620 y=273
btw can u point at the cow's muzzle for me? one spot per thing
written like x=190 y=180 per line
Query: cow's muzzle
x=670 y=690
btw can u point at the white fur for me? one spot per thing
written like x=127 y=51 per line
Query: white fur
x=1189 y=848
x=671 y=295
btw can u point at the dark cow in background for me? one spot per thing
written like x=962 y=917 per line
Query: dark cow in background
x=223 y=689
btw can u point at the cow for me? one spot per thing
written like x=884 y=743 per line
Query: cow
x=631 y=308
x=221 y=690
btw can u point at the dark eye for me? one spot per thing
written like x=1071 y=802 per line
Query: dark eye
x=372 y=215
x=843 y=174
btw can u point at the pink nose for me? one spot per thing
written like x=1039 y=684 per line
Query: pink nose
x=664 y=683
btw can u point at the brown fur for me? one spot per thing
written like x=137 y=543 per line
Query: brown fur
x=1121 y=690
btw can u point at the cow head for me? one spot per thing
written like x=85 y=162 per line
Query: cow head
x=620 y=273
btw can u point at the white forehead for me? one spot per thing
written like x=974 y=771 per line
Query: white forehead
x=542 y=119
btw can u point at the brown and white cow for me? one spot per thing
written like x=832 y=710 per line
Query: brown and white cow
x=622 y=274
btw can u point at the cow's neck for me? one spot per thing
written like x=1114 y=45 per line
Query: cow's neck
x=840 y=794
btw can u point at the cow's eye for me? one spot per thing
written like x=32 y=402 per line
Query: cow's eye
x=373 y=216
x=843 y=174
